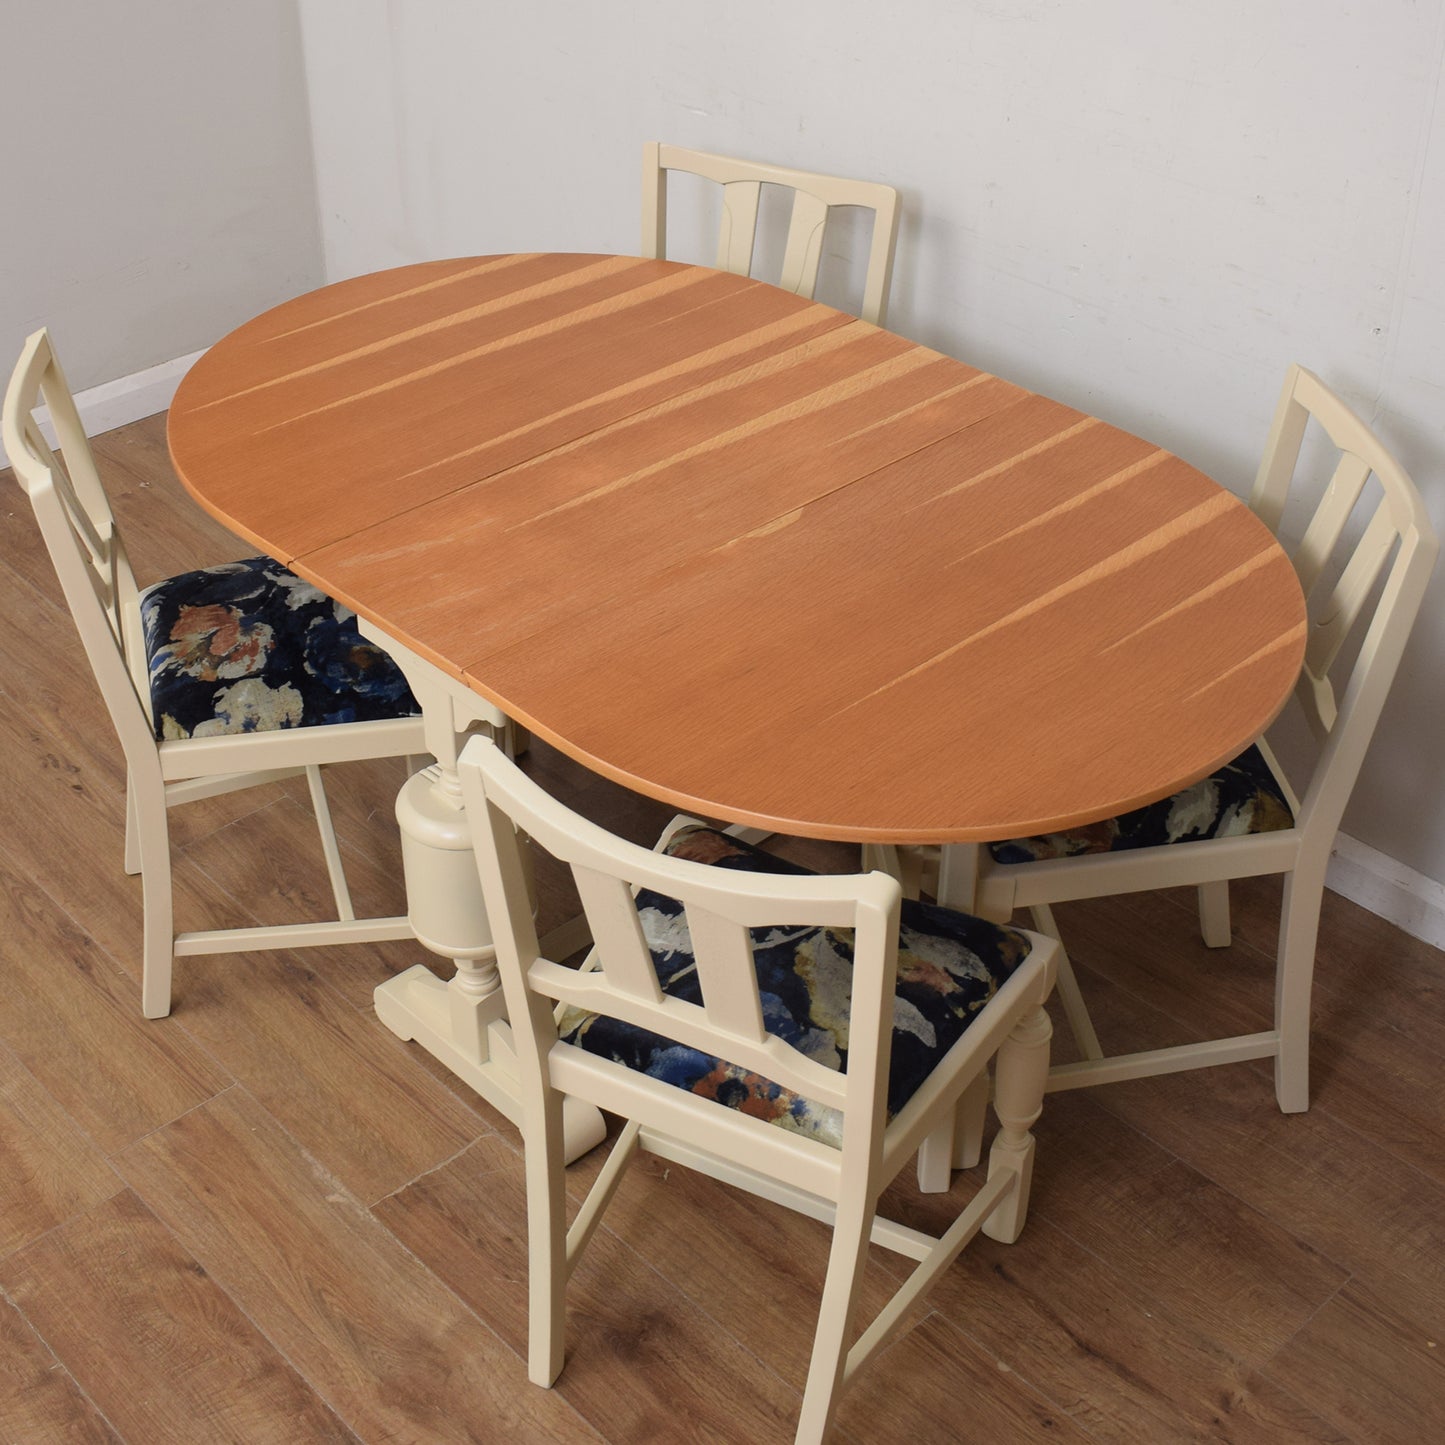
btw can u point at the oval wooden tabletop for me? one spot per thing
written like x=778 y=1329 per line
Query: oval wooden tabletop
x=746 y=553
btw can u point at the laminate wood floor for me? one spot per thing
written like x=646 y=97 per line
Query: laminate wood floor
x=267 y=1219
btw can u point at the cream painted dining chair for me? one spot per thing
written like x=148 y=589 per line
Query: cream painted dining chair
x=813 y=196
x=797 y=1035
x=217 y=679
x=1363 y=564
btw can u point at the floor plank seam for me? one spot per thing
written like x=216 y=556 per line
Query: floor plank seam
x=436 y=1168
x=69 y=1219
x=167 y=1123
x=1346 y=1435
x=80 y=1130
x=446 y=1288
x=330 y=1186
x=62 y=1366
x=1224 y=1180
x=212 y=833
x=263 y=1334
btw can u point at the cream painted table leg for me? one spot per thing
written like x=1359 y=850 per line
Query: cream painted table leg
x=958 y=875
x=461 y=1022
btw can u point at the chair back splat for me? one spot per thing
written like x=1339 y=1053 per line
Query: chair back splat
x=80 y=533
x=796 y=1035
x=813 y=196
x=296 y=687
x=1397 y=544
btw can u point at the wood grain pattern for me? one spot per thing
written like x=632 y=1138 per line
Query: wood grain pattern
x=944 y=1388
x=1400 y=1037
x=624 y=1316
x=39 y=1399
x=70 y=1017
x=163 y=1317
x=1370 y=1369
x=49 y=1170
x=1131 y=1371
x=386 y=1343
x=1341 y=1191
x=1153 y=1219
x=715 y=542
x=346 y=1091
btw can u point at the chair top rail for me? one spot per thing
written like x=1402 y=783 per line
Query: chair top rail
x=727 y=170
x=756 y=900
x=813 y=196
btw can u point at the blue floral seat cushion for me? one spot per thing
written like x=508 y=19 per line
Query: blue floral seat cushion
x=249 y=647
x=949 y=966
x=1242 y=797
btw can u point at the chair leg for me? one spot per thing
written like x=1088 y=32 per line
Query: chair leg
x=1299 y=926
x=958 y=875
x=153 y=855
x=1214 y=913
x=546 y=1245
x=1019 y=1082
x=935 y=1160
x=515 y=740
x=132 y=840
x=958 y=1142
x=1070 y=995
x=851 y=1226
x=969 y=1117
x=329 y=848
x=904 y=864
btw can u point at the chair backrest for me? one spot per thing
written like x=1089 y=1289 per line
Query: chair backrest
x=742 y=183
x=720 y=907
x=1389 y=566
x=81 y=536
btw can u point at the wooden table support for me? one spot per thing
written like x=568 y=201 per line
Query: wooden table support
x=462 y=1021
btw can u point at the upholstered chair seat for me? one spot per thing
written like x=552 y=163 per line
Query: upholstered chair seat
x=249 y=646
x=1242 y=797
x=949 y=966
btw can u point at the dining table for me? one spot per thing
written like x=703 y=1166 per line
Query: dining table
x=739 y=551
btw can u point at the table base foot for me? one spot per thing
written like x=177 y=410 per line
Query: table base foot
x=417 y=1006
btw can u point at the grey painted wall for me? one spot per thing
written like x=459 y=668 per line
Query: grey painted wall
x=158 y=178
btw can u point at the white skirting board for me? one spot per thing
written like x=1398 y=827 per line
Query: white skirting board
x=1377 y=882
x=127 y=399
x=1358 y=872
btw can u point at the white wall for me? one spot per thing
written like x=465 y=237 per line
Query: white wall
x=158 y=182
